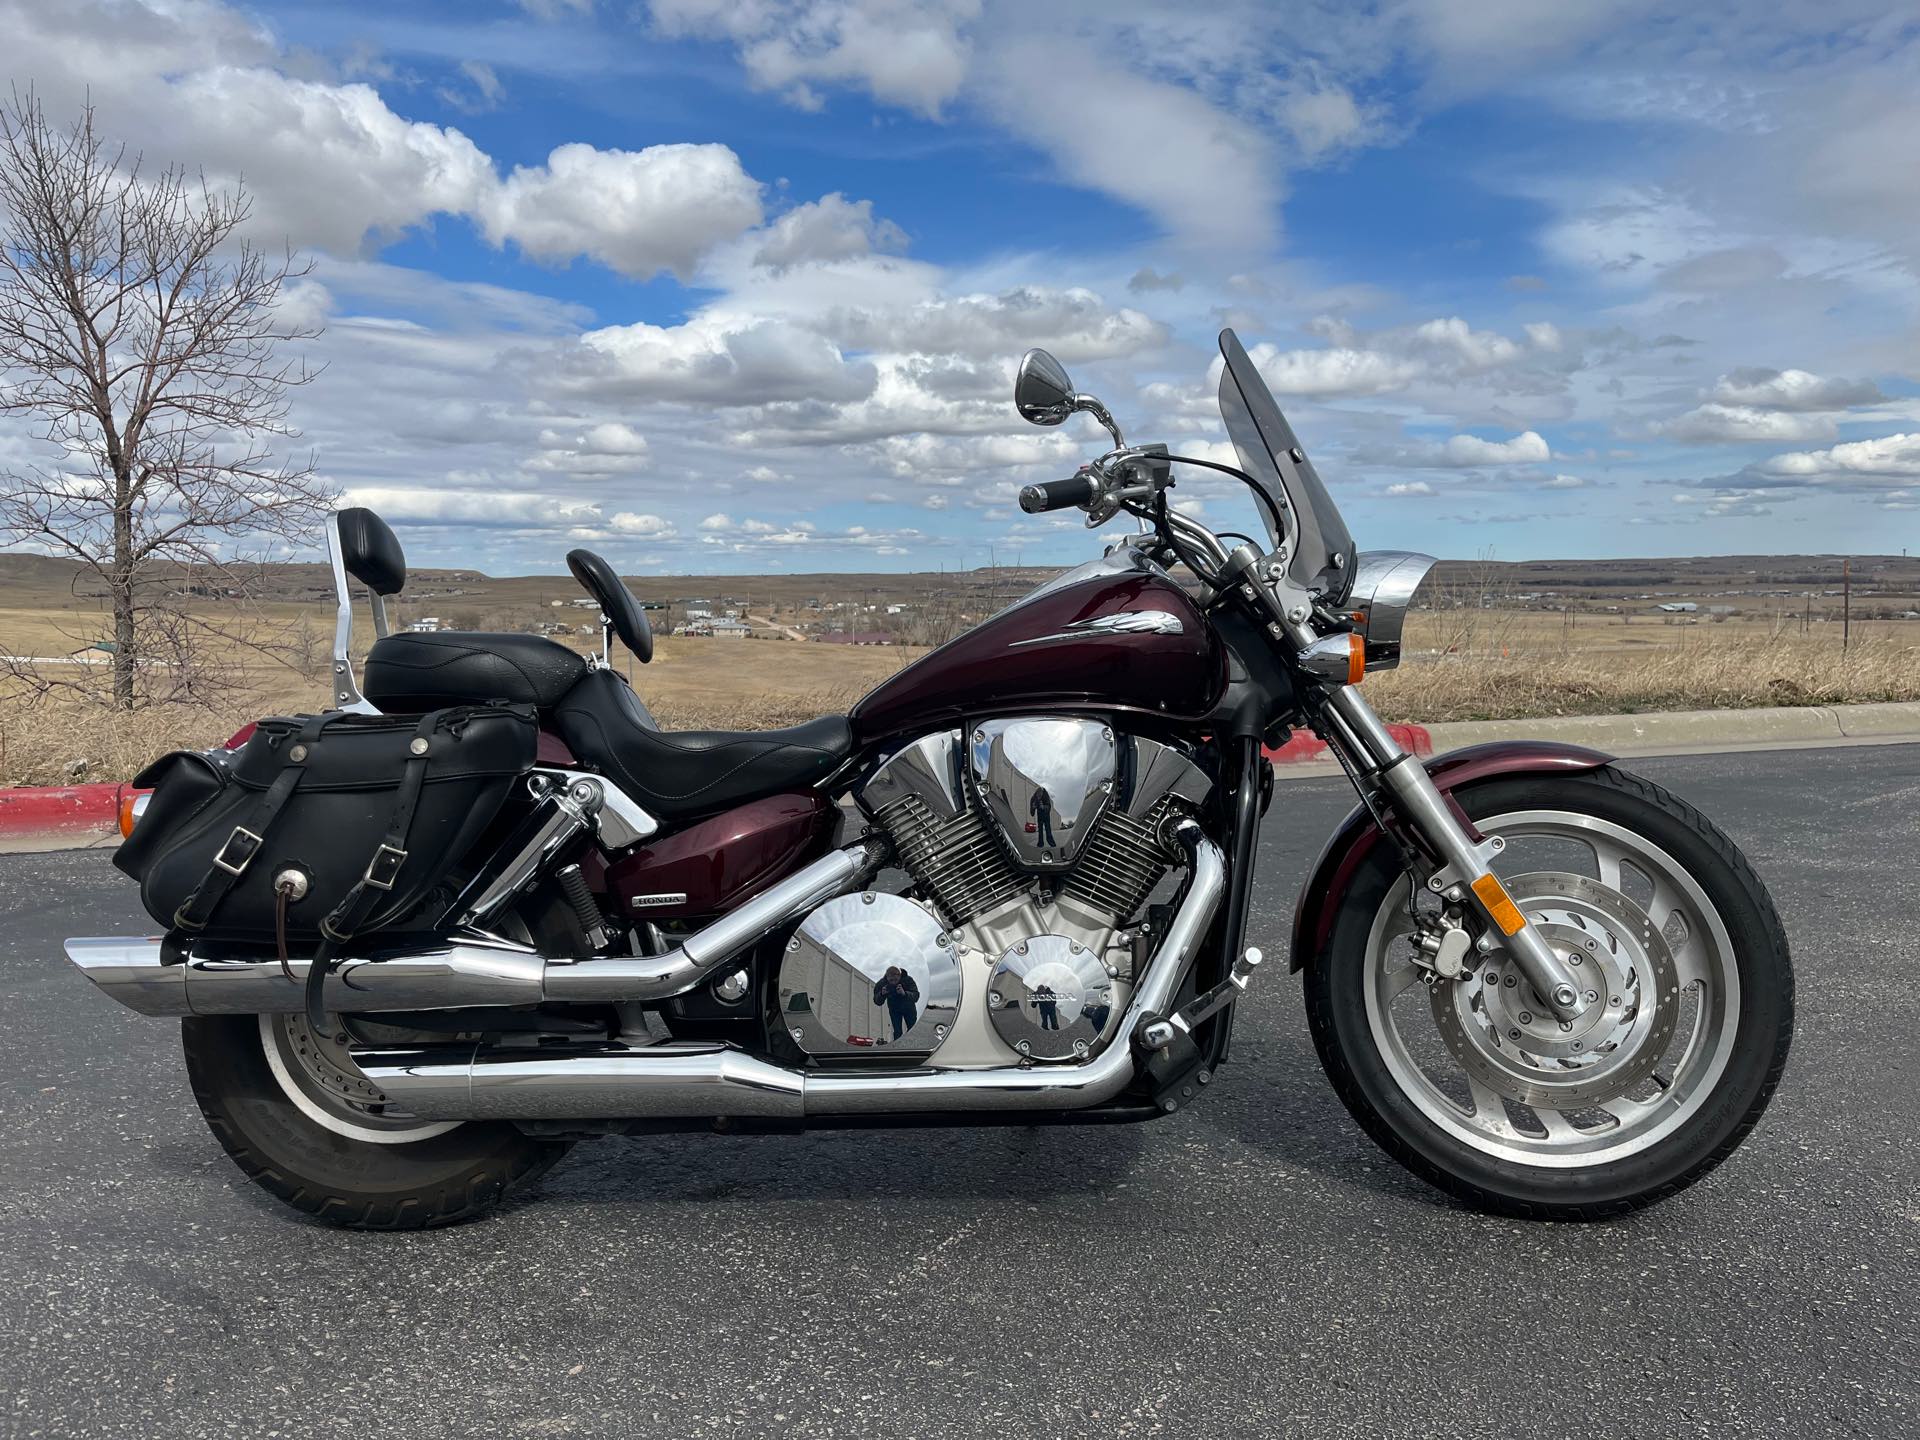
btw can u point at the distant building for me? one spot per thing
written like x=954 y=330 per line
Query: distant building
x=425 y=625
x=1678 y=607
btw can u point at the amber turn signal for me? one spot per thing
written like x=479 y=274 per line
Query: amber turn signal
x=133 y=804
x=1336 y=659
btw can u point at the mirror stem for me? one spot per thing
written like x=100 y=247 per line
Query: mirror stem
x=1094 y=408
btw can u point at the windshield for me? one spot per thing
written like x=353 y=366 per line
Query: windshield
x=1323 y=552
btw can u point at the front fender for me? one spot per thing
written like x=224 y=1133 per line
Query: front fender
x=1356 y=836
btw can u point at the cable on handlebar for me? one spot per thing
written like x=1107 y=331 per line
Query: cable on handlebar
x=1259 y=491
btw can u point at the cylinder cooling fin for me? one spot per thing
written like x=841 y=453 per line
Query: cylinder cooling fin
x=972 y=823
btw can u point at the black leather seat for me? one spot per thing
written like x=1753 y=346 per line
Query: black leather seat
x=678 y=775
x=446 y=667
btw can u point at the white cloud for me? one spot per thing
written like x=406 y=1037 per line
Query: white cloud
x=1411 y=487
x=640 y=212
x=1715 y=423
x=909 y=53
x=716 y=359
x=1565 y=482
x=720 y=521
x=478 y=507
x=830 y=228
x=1209 y=178
x=645 y=527
x=1864 y=460
x=1338 y=371
x=1793 y=390
x=1472 y=450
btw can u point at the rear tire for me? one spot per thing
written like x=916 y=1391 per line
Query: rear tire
x=409 y=1178
x=1494 y=1147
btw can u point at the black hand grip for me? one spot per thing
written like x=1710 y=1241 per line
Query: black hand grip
x=1057 y=494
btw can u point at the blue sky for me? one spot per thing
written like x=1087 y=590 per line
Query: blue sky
x=740 y=286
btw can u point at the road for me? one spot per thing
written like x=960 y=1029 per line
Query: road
x=1251 y=1267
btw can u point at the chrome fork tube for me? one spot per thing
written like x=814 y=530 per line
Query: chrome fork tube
x=1425 y=809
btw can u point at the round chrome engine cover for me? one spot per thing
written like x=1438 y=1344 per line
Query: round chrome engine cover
x=866 y=973
x=1050 y=998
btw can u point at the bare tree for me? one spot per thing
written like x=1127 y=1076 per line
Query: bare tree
x=141 y=337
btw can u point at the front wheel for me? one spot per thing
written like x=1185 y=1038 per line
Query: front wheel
x=301 y=1121
x=1475 y=1085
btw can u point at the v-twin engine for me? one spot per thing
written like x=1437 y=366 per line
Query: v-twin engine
x=1033 y=843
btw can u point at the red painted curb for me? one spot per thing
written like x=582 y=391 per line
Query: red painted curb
x=51 y=809
x=1304 y=746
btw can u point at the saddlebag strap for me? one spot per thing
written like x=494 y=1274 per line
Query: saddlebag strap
x=384 y=867
x=245 y=842
x=382 y=870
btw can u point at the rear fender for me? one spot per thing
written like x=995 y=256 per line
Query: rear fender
x=1357 y=835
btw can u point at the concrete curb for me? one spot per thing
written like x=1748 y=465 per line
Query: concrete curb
x=1680 y=732
x=60 y=809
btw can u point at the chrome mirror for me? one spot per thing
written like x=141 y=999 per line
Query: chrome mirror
x=1044 y=395
x=1041 y=391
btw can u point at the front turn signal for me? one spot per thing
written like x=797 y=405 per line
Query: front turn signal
x=1336 y=659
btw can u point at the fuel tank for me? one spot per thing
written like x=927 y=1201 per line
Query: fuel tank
x=1115 y=634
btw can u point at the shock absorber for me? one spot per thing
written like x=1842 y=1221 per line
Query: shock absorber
x=579 y=895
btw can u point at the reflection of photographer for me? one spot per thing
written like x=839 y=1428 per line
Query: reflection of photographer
x=1042 y=807
x=1047 y=1002
x=898 y=992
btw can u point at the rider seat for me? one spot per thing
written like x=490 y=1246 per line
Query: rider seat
x=423 y=671
x=679 y=775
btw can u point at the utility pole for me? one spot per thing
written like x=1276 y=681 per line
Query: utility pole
x=1846 y=603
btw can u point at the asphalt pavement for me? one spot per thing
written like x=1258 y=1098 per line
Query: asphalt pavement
x=1251 y=1267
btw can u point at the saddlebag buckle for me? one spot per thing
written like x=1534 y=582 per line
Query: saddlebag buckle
x=238 y=851
x=384 y=868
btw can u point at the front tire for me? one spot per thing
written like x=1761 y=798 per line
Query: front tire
x=284 y=1109
x=1471 y=1083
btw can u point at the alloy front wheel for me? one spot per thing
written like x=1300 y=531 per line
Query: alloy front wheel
x=1471 y=1079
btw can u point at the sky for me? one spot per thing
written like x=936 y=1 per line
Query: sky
x=740 y=285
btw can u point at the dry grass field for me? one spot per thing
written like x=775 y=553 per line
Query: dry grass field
x=1491 y=659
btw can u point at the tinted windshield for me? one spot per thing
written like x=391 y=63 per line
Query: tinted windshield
x=1272 y=455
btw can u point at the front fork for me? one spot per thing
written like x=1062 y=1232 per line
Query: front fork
x=1464 y=872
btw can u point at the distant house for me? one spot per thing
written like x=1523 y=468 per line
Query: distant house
x=727 y=629
x=425 y=625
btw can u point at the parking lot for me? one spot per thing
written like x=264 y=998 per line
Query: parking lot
x=1252 y=1267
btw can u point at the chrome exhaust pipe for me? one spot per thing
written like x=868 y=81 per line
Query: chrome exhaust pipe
x=139 y=975
x=657 y=977
x=692 y=1081
x=456 y=975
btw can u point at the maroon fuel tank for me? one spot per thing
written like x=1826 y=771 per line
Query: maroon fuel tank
x=718 y=862
x=1116 y=634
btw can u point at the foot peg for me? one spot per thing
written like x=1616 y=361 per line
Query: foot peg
x=1205 y=1007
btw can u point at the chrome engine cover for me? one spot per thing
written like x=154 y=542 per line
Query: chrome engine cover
x=867 y=973
x=956 y=804
x=1051 y=998
x=1045 y=782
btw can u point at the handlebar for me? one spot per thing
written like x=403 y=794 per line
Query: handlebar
x=1058 y=494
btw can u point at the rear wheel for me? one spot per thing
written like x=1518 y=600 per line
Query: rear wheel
x=304 y=1125
x=1474 y=1084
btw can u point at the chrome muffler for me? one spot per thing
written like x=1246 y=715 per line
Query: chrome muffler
x=693 y=1081
x=454 y=975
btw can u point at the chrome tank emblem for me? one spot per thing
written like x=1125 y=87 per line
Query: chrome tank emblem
x=867 y=973
x=1045 y=782
x=1122 y=622
x=1050 y=998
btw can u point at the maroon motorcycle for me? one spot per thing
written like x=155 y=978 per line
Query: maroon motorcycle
x=485 y=907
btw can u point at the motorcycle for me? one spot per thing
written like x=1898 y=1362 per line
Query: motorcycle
x=1009 y=886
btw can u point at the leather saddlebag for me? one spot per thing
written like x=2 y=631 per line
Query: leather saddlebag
x=349 y=820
